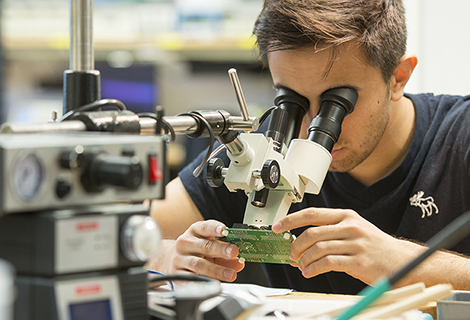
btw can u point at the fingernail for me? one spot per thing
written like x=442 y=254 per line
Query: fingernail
x=229 y=275
x=305 y=273
x=277 y=226
x=229 y=251
x=218 y=230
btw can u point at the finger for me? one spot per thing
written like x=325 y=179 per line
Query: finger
x=234 y=264
x=310 y=216
x=316 y=235
x=339 y=263
x=324 y=249
x=209 y=228
x=201 y=266
x=187 y=245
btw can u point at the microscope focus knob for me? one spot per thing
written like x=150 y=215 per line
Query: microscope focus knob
x=271 y=174
x=140 y=238
x=214 y=174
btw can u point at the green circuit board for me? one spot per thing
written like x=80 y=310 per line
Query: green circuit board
x=261 y=245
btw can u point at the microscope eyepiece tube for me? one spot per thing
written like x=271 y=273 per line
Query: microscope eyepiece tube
x=335 y=104
x=277 y=127
x=296 y=107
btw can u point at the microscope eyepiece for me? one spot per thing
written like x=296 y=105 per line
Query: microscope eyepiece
x=335 y=104
x=285 y=121
x=345 y=97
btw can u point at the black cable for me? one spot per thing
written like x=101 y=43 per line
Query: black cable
x=445 y=239
x=196 y=116
x=180 y=277
x=266 y=115
x=168 y=128
x=95 y=105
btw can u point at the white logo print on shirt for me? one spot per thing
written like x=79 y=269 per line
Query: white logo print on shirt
x=426 y=205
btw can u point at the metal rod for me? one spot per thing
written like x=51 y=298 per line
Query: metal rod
x=66 y=126
x=235 y=147
x=187 y=124
x=180 y=124
x=237 y=123
x=239 y=93
x=81 y=36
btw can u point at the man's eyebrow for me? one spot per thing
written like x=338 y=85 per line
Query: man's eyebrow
x=346 y=86
x=280 y=86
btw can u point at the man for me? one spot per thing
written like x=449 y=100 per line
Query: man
x=400 y=169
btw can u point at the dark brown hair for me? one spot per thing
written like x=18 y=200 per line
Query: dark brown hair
x=378 y=26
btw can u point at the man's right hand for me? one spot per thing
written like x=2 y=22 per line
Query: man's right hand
x=198 y=251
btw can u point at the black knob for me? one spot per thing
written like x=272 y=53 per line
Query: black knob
x=271 y=174
x=63 y=187
x=214 y=172
x=118 y=171
x=74 y=159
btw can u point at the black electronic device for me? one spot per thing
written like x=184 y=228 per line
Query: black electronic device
x=73 y=223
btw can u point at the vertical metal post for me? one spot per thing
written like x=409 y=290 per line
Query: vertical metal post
x=81 y=83
x=3 y=112
x=81 y=36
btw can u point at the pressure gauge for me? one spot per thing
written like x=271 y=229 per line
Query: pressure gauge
x=28 y=176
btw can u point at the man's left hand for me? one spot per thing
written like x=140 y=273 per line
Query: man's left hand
x=341 y=240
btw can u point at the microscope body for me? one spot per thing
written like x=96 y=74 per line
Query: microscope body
x=303 y=169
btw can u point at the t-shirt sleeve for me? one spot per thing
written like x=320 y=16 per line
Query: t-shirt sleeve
x=213 y=203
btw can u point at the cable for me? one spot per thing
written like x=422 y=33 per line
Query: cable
x=196 y=116
x=180 y=277
x=172 y=287
x=217 y=151
x=95 y=105
x=168 y=128
x=199 y=168
x=266 y=114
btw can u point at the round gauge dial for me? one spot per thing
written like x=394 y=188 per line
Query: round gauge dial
x=28 y=176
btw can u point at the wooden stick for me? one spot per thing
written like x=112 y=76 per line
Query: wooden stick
x=434 y=293
x=399 y=294
x=387 y=298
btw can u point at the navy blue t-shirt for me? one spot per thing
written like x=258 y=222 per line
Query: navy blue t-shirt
x=427 y=191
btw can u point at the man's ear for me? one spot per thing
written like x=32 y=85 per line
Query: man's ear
x=402 y=74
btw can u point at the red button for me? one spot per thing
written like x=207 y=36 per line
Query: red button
x=155 y=173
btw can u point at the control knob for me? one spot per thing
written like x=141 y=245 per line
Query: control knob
x=140 y=238
x=100 y=169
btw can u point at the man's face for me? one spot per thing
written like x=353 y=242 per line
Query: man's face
x=304 y=72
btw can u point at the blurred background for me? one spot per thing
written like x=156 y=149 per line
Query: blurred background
x=176 y=53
